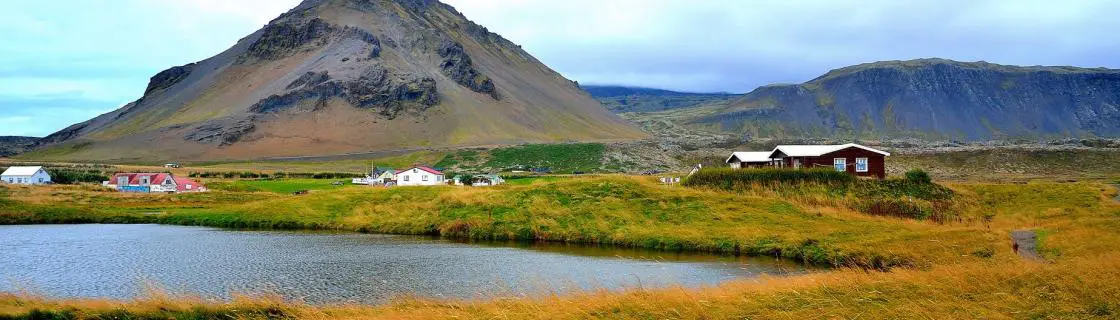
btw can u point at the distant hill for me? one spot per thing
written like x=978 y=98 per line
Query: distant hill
x=13 y=145
x=928 y=98
x=343 y=76
x=620 y=99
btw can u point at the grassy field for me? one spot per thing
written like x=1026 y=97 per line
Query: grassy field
x=280 y=185
x=959 y=269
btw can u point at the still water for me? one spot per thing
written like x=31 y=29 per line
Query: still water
x=119 y=261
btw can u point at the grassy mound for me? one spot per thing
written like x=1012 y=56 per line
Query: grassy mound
x=913 y=197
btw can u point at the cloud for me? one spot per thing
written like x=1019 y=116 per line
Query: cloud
x=737 y=45
x=103 y=52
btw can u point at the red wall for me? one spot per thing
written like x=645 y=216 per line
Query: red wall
x=876 y=163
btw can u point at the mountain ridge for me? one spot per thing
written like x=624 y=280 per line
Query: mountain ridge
x=337 y=76
x=929 y=99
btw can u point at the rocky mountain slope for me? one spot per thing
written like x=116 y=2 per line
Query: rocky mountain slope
x=13 y=145
x=928 y=99
x=621 y=99
x=342 y=76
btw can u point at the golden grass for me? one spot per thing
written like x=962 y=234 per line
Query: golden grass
x=955 y=278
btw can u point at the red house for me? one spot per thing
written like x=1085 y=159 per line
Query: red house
x=153 y=182
x=856 y=159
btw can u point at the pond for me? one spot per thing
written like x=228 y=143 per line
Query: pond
x=121 y=261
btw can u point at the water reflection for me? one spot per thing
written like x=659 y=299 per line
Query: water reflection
x=115 y=261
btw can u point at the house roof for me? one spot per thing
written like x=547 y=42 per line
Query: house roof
x=425 y=168
x=21 y=171
x=751 y=156
x=818 y=150
x=134 y=178
x=181 y=184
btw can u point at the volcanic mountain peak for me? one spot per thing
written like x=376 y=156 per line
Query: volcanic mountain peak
x=339 y=76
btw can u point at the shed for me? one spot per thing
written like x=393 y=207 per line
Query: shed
x=749 y=159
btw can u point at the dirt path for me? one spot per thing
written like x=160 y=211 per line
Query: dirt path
x=1025 y=243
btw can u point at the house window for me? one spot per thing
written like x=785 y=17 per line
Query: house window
x=406 y=177
x=797 y=163
x=122 y=181
x=861 y=164
x=40 y=180
x=841 y=164
x=144 y=181
x=424 y=177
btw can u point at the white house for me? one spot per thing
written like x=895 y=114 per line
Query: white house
x=419 y=176
x=25 y=175
x=750 y=159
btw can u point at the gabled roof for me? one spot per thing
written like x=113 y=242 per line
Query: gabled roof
x=134 y=178
x=819 y=150
x=750 y=156
x=21 y=171
x=181 y=184
x=425 y=168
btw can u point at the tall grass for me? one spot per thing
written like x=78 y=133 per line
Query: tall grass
x=915 y=197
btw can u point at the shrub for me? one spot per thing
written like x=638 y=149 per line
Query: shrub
x=73 y=176
x=918 y=176
x=736 y=179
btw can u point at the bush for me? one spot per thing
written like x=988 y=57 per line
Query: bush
x=73 y=176
x=736 y=179
x=918 y=176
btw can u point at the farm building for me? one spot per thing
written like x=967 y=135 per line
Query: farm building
x=749 y=159
x=419 y=176
x=856 y=159
x=25 y=175
x=479 y=180
x=153 y=183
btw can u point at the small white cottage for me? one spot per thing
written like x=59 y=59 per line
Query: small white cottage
x=25 y=175
x=419 y=176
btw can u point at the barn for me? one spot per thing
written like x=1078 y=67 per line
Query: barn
x=853 y=158
x=26 y=176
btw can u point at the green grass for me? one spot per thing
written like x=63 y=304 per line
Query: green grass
x=560 y=158
x=278 y=185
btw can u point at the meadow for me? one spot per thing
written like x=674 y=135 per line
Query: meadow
x=884 y=267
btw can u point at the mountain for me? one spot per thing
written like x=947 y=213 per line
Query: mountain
x=932 y=99
x=13 y=145
x=620 y=99
x=344 y=76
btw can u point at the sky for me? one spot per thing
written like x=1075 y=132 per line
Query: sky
x=63 y=62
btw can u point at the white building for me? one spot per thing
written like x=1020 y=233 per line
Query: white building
x=25 y=175
x=750 y=159
x=419 y=176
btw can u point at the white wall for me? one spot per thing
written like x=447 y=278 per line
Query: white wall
x=417 y=177
x=40 y=177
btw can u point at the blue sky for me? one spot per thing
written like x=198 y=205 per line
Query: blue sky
x=63 y=62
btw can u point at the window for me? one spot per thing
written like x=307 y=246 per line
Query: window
x=796 y=163
x=122 y=181
x=424 y=177
x=861 y=164
x=406 y=177
x=40 y=180
x=840 y=164
x=144 y=181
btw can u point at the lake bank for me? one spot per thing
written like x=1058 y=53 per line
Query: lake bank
x=615 y=211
